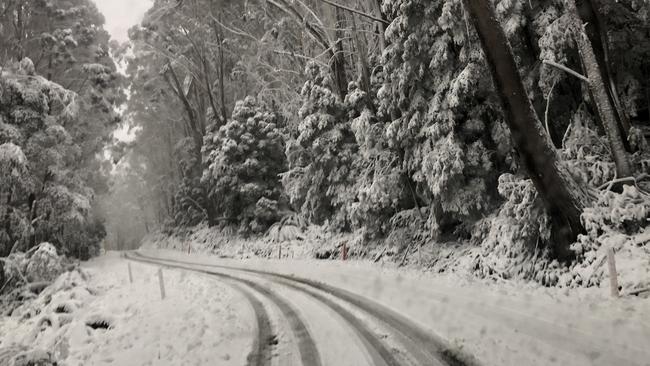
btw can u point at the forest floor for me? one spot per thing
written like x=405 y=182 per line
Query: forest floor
x=370 y=315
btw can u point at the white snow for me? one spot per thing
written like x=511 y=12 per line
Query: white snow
x=507 y=323
x=11 y=153
x=200 y=322
x=203 y=321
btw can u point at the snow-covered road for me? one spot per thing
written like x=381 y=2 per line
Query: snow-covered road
x=307 y=312
x=358 y=314
x=325 y=325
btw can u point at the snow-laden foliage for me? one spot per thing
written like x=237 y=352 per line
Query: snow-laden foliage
x=586 y=153
x=46 y=315
x=12 y=159
x=242 y=162
x=41 y=264
x=44 y=196
x=438 y=98
x=381 y=185
x=44 y=265
x=320 y=180
x=416 y=150
x=618 y=221
x=514 y=238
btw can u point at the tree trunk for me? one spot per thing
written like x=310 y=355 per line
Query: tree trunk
x=193 y=120
x=7 y=224
x=338 y=62
x=375 y=5
x=602 y=99
x=562 y=197
x=590 y=16
x=333 y=49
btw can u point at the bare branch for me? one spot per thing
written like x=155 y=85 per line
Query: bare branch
x=234 y=31
x=548 y=103
x=355 y=11
x=566 y=69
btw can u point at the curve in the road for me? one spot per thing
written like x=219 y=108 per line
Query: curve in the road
x=427 y=348
x=379 y=351
x=261 y=352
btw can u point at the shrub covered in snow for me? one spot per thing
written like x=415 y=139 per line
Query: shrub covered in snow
x=243 y=160
x=42 y=264
x=320 y=154
x=618 y=221
x=514 y=238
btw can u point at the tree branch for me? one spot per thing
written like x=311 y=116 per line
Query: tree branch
x=351 y=10
x=566 y=69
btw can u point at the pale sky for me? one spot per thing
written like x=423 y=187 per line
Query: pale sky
x=121 y=15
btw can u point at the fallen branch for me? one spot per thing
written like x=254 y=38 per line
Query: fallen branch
x=406 y=252
x=380 y=254
x=635 y=180
x=566 y=69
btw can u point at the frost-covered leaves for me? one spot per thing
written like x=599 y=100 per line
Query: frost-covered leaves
x=626 y=212
x=12 y=159
x=437 y=96
x=42 y=264
x=242 y=162
x=46 y=198
x=320 y=182
x=515 y=237
x=618 y=221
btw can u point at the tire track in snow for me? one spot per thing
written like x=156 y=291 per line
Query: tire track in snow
x=377 y=349
x=426 y=348
x=261 y=355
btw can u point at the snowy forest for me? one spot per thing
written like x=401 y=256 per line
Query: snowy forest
x=507 y=138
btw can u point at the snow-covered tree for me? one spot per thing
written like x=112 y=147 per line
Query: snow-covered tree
x=243 y=160
x=442 y=117
x=44 y=195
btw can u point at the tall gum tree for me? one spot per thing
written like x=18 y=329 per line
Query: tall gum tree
x=600 y=92
x=562 y=196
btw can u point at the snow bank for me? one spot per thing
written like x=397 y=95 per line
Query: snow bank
x=513 y=243
x=287 y=241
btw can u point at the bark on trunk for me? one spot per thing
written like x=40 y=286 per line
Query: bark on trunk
x=602 y=99
x=375 y=5
x=561 y=196
x=595 y=29
x=338 y=63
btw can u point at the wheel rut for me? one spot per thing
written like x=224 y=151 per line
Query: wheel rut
x=423 y=347
x=261 y=353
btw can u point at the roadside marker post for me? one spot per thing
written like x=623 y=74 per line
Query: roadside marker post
x=279 y=251
x=161 y=280
x=613 y=276
x=130 y=272
x=344 y=250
